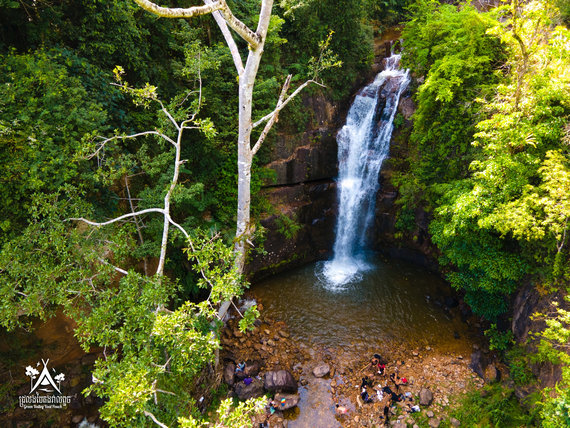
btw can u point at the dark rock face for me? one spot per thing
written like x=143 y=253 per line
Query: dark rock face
x=527 y=302
x=280 y=381
x=426 y=397
x=303 y=193
x=253 y=390
x=310 y=206
x=229 y=373
x=406 y=107
x=477 y=363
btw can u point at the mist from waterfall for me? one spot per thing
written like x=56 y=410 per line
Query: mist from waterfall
x=363 y=145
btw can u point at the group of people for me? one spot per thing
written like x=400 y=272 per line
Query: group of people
x=386 y=395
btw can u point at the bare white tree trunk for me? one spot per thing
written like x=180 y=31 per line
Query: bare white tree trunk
x=246 y=78
x=256 y=40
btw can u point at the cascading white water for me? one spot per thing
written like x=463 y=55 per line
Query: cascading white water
x=363 y=144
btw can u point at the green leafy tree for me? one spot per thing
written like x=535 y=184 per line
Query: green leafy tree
x=505 y=217
x=553 y=346
x=45 y=112
x=450 y=47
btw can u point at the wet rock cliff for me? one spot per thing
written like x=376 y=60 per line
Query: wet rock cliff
x=409 y=240
x=299 y=226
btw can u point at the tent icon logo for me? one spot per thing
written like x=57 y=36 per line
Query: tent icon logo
x=45 y=380
x=48 y=382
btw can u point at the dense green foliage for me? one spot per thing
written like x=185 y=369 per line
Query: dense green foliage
x=489 y=149
x=58 y=103
x=451 y=49
x=489 y=158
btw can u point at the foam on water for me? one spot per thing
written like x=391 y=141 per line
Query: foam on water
x=363 y=145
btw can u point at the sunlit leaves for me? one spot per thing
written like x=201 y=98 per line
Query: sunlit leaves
x=508 y=217
x=449 y=47
x=326 y=59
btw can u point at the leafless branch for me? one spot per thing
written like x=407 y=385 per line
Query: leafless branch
x=118 y=269
x=188 y=12
x=237 y=309
x=228 y=38
x=123 y=217
x=149 y=414
x=271 y=118
x=178 y=227
x=125 y=137
x=169 y=116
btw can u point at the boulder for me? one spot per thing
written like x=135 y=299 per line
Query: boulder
x=406 y=107
x=229 y=374
x=280 y=381
x=476 y=363
x=286 y=401
x=426 y=397
x=454 y=422
x=491 y=373
x=252 y=368
x=434 y=423
x=253 y=390
x=321 y=370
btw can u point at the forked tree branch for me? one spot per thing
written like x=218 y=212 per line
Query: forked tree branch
x=228 y=38
x=271 y=118
x=220 y=5
x=253 y=38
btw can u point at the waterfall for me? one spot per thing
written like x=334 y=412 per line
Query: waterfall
x=363 y=144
